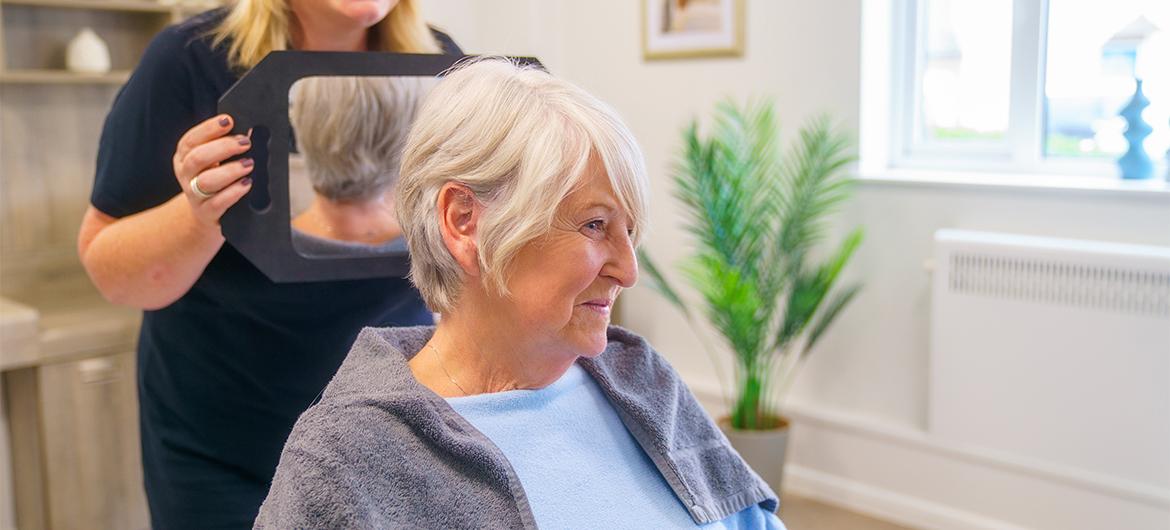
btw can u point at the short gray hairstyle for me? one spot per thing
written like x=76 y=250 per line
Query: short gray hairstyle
x=521 y=140
x=351 y=131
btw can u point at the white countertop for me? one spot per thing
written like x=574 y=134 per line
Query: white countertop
x=19 y=335
x=62 y=321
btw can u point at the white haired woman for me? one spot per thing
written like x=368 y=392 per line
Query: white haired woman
x=227 y=359
x=351 y=132
x=522 y=199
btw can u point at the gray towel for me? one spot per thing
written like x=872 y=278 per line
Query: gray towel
x=382 y=451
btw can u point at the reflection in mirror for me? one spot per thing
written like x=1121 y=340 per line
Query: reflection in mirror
x=348 y=134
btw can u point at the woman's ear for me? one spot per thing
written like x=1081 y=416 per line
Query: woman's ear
x=459 y=214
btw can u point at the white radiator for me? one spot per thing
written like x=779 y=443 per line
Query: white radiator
x=1054 y=351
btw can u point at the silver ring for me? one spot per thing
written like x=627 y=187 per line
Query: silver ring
x=194 y=185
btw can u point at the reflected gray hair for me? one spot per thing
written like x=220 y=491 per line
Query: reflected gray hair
x=521 y=141
x=351 y=131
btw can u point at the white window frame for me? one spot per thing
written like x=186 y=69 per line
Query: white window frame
x=1022 y=150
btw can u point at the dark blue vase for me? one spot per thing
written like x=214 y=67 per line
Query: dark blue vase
x=1136 y=163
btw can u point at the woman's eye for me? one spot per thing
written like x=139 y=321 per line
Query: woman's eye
x=597 y=226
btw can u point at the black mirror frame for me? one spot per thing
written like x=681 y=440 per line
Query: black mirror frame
x=260 y=99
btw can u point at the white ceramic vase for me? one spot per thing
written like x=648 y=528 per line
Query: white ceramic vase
x=763 y=450
x=87 y=54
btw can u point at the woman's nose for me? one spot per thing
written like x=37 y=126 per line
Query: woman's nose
x=623 y=264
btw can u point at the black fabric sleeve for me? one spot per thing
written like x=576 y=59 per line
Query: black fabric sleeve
x=149 y=115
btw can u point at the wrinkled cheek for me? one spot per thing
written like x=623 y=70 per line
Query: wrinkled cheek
x=579 y=319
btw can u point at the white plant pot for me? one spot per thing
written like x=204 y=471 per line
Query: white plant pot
x=87 y=54
x=763 y=450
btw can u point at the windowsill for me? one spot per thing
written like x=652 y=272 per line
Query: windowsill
x=1153 y=188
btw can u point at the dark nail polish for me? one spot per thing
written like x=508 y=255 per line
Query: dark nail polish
x=244 y=140
x=224 y=121
x=247 y=162
x=247 y=181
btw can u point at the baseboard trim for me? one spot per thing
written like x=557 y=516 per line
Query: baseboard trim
x=1095 y=482
x=883 y=504
x=907 y=506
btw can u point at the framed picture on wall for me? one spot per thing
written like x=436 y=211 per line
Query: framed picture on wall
x=673 y=29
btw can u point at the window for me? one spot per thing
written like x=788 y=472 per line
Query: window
x=966 y=72
x=1028 y=85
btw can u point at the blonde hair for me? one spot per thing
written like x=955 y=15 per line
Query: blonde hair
x=521 y=141
x=351 y=131
x=253 y=28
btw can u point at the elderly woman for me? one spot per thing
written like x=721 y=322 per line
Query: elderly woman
x=522 y=199
x=351 y=132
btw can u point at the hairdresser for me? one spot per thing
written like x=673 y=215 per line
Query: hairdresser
x=227 y=359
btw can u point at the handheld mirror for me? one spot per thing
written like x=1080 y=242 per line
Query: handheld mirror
x=328 y=129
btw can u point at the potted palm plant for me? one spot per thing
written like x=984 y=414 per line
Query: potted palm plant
x=755 y=217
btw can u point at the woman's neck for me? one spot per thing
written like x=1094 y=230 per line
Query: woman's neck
x=371 y=222
x=471 y=353
x=317 y=34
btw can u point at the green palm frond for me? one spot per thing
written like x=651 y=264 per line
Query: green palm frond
x=813 y=183
x=810 y=289
x=733 y=305
x=717 y=185
x=659 y=283
x=839 y=301
x=755 y=217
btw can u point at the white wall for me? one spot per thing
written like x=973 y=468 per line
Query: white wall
x=863 y=397
x=875 y=360
x=860 y=403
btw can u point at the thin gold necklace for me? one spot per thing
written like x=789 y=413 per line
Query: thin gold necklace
x=448 y=374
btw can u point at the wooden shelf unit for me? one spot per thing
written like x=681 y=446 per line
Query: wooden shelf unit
x=34 y=34
x=74 y=422
x=63 y=77
x=98 y=5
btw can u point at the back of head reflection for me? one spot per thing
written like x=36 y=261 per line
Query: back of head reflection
x=350 y=131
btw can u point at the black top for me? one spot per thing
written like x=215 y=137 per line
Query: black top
x=224 y=371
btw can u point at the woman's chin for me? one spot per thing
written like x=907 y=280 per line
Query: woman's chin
x=364 y=13
x=594 y=344
x=590 y=331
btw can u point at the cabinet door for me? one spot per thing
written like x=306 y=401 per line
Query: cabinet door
x=89 y=415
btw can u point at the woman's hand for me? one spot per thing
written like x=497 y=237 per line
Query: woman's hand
x=211 y=186
x=152 y=258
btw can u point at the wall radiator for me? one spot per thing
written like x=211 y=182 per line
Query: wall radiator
x=1055 y=352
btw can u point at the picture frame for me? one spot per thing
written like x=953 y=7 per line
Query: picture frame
x=679 y=29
